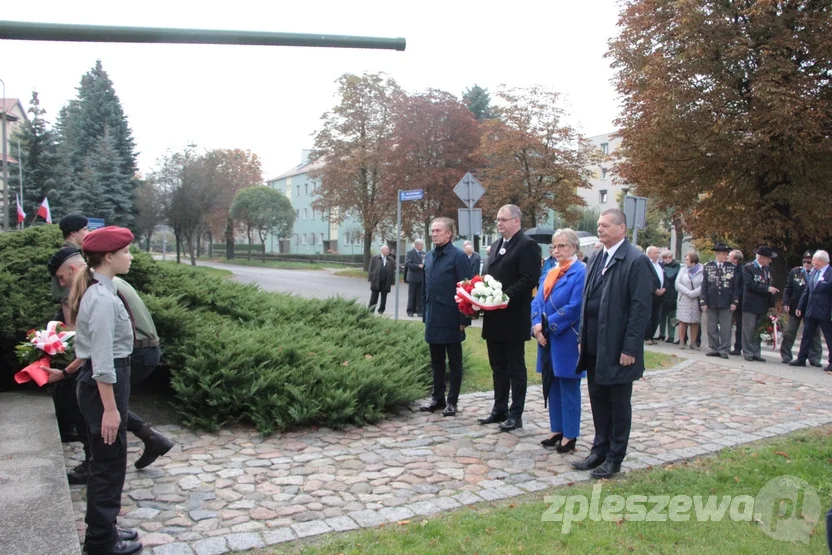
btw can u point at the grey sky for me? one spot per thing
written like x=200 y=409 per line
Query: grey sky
x=270 y=99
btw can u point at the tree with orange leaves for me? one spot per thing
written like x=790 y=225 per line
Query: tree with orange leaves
x=727 y=116
x=534 y=159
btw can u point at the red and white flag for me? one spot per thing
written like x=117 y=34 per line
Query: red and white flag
x=44 y=211
x=21 y=215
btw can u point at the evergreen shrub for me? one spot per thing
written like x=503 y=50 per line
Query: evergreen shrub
x=235 y=353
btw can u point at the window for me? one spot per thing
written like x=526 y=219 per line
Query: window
x=304 y=239
x=604 y=173
x=297 y=191
x=603 y=198
x=297 y=213
x=306 y=189
x=605 y=148
x=305 y=213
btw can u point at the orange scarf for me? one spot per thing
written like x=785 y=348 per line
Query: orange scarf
x=552 y=278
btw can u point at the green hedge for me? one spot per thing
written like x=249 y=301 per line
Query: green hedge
x=236 y=353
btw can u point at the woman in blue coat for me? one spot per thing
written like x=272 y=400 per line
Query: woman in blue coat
x=556 y=322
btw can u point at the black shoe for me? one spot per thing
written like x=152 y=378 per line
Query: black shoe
x=828 y=369
x=606 y=470
x=127 y=535
x=155 y=445
x=749 y=359
x=785 y=360
x=120 y=548
x=433 y=406
x=723 y=355
x=70 y=437
x=568 y=446
x=759 y=359
x=410 y=314
x=551 y=441
x=79 y=475
x=797 y=362
x=735 y=352
x=450 y=410
x=661 y=338
x=511 y=423
x=676 y=342
x=816 y=364
x=493 y=418
x=670 y=340
x=592 y=461
x=712 y=354
x=419 y=314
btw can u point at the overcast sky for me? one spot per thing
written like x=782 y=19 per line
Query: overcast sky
x=270 y=99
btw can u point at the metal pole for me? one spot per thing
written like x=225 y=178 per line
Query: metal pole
x=164 y=243
x=20 y=175
x=398 y=248
x=26 y=30
x=635 y=236
x=5 y=167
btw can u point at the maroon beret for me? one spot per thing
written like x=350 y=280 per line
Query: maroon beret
x=107 y=239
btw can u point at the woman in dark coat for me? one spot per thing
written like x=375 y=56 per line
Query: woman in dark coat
x=671 y=272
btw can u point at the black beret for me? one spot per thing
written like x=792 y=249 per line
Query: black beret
x=808 y=255
x=60 y=257
x=107 y=239
x=72 y=222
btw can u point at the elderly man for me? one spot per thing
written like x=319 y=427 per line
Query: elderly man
x=445 y=325
x=795 y=285
x=74 y=229
x=381 y=276
x=515 y=263
x=816 y=308
x=720 y=298
x=414 y=265
x=473 y=258
x=758 y=298
x=736 y=258
x=659 y=290
x=614 y=315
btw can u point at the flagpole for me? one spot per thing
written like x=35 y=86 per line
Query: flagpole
x=20 y=177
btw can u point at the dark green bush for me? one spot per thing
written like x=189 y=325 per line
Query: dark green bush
x=236 y=353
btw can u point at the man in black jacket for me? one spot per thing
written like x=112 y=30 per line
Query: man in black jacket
x=720 y=297
x=736 y=258
x=414 y=264
x=759 y=297
x=381 y=277
x=659 y=291
x=614 y=314
x=515 y=263
x=795 y=284
x=474 y=259
x=671 y=267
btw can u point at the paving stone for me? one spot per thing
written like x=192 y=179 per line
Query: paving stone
x=190 y=482
x=367 y=518
x=311 y=528
x=201 y=514
x=244 y=541
x=140 y=494
x=156 y=539
x=143 y=514
x=279 y=535
x=178 y=548
x=341 y=523
x=211 y=546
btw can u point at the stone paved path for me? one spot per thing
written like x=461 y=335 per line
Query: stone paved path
x=236 y=490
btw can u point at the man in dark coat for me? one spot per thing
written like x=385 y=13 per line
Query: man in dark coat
x=795 y=285
x=720 y=298
x=816 y=307
x=658 y=297
x=515 y=263
x=736 y=258
x=614 y=314
x=381 y=277
x=474 y=258
x=758 y=298
x=414 y=264
x=445 y=325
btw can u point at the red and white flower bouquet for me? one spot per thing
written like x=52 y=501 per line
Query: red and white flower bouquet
x=478 y=294
x=41 y=348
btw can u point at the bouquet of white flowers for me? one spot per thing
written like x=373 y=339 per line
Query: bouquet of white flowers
x=480 y=293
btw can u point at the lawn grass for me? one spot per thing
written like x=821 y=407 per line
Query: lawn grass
x=516 y=525
x=352 y=273
x=277 y=264
x=478 y=372
x=217 y=272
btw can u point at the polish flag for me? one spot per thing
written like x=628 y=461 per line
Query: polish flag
x=21 y=215
x=44 y=211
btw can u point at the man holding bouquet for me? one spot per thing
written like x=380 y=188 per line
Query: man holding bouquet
x=514 y=262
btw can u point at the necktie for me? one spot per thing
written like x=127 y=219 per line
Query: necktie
x=600 y=269
x=817 y=276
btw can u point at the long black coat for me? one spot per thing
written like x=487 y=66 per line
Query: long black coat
x=623 y=316
x=412 y=260
x=374 y=276
x=671 y=272
x=475 y=262
x=519 y=271
x=445 y=266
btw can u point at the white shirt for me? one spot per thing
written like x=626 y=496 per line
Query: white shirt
x=659 y=272
x=820 y=273
x=611 y=251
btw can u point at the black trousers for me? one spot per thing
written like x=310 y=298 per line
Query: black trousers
x=789 y=335
x=810 y=328
x=612 y=415
x=414 y=297
x=738 y=331
x=655 y=312
x=374 y=299
x=108 y=464
x=508 y=368
x=437 y=364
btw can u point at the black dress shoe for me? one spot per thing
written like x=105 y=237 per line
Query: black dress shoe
x=723 y=355
x=797 y=362
x=712 y=354
x=120 y=548
x=79 y=474
x=493 y=419
x=551 y=441
x=592 y=461
x=735 y=352
x=606 y=470
x=816 y=364
x=669 y=340
x=155 y=445
x=511 y=423
x=127 y=535
x=568 y=446
x=759 y=359
x=433 y=406
x=749 y=359
x=410 y=314
x=450 y=410
x=828 y=369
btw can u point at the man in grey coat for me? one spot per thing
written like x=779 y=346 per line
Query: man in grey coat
x=614 y=316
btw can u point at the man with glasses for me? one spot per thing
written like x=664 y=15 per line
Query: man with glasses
x=795 y=284
x=515 y=263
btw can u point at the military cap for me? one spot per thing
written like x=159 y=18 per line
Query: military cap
x=60 y=257
x=808 y=255
x=765 y=250
x=721 y=247
x=107 y=239
x=72 y=222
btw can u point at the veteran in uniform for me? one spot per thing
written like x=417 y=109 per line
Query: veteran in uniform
x=758 y=298
x=795 y=285
x=720 y=298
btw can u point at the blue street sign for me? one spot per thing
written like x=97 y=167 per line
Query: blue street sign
x=95 y=223
x=414 y=194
